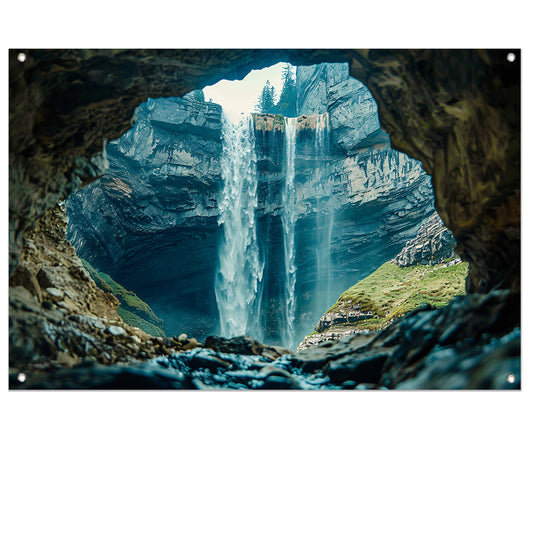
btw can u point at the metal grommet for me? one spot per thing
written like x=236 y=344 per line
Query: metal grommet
x=511 y=57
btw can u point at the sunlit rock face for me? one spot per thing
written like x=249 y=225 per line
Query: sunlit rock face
x=152 y=222
x=352 y=110
x=433 y=244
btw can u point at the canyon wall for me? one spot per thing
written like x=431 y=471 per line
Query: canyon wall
x=151 y=221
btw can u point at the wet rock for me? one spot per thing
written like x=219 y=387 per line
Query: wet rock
x=243 y=344
x=191 y=344
x=360 y=368
x=273 y=352
x=316 y=358
x=276 y=382
x=199 y=360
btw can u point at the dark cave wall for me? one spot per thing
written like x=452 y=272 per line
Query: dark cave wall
x=457 y=111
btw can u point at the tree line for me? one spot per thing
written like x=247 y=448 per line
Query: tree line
x=286 y=103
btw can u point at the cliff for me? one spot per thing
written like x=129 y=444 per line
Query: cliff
x=329 y=88
x=434 y=243
x=425 y=272
x=152 y=221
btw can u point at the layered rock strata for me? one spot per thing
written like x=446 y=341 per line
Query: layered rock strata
x=153 y=221
x=434 y=243
x=437 y=105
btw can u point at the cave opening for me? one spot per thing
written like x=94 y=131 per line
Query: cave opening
x=430 y=101
x=252 y=207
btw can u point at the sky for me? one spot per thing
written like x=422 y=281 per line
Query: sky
x=241 y=96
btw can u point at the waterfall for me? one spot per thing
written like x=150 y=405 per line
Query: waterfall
x=324 y=218
x=288 y=220
x=240 y=271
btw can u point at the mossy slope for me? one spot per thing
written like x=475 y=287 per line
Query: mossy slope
x=392 y=291
x=131 y=309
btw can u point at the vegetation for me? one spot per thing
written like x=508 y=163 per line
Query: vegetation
x=286 y=103
x=266 y=101
x=392 y=291
x=135 y=320
x=131 y=309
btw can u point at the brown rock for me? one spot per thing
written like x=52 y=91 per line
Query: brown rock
x=24 y=277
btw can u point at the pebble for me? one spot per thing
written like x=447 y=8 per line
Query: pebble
x=116 y=330
x=55 y=294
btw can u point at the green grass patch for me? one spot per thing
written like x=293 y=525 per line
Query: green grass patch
x=132 y=309
x=133 y=320
x=392 y=291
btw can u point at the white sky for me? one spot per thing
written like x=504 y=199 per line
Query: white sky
x=241 y=96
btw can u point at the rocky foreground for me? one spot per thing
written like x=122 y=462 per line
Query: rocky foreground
x=478 y=348
x=66 y=333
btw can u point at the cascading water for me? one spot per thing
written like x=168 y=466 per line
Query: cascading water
x=238 y=280
x=288 y=220
x=324 y=218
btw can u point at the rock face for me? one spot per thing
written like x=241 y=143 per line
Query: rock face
x=435 y=104
x=488 y=358
x=328 y=88
x=463 y=125
x=152 y=221
x=434 y=243
x=457 y=111
x=421 y=350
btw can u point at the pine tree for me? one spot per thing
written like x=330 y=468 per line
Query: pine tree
x=266 y=100
x=287 y=101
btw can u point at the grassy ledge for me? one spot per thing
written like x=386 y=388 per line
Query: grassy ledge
x=392 y=291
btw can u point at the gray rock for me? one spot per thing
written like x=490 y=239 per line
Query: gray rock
x=361 y=369
x=433 y=244
x=151 y=222
x=353 y=112
x=55 y=294
x=116 y=331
